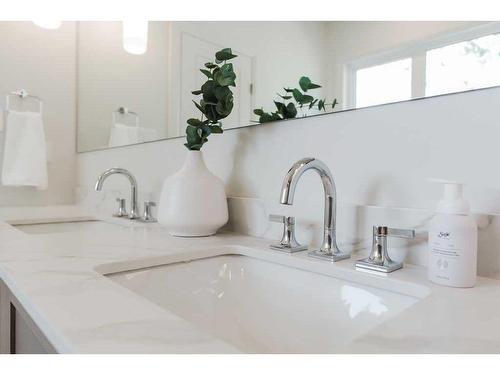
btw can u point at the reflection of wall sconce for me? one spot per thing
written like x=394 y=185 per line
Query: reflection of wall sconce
x=135 y=37
x=48 y=24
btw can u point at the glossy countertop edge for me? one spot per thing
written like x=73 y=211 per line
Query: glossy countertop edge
x=443 y=320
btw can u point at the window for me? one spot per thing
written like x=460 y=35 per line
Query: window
x=385 y=83
x=463 y=66
x=464 y=60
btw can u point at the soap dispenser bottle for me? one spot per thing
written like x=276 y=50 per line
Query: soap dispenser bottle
x=452 y=240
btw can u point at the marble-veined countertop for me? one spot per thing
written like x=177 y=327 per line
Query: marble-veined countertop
x=58 y=279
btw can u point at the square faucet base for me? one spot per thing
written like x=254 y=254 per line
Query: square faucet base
x=288 y=249
x=334 y=257
x=387 y=267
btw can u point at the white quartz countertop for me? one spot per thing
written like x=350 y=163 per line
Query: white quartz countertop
x=58 y=279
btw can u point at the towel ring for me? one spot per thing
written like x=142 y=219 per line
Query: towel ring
x=22 y=94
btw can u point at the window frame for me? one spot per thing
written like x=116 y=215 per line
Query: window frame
x=416 y=51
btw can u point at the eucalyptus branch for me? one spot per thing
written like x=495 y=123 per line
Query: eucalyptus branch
x=217 y=100
x=294 y=99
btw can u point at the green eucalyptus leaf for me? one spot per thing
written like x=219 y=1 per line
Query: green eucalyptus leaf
x=196 y=147
x=196 y=92
x=210 y=65
x=302 y=98
x=222 y=92
x=216 y=129
x=192 y=135
x=286 y=111
x=258 y=111
x=280 y=107
x=205 y=131
x=200 y=107
x=335 y=102
x=225 y=76
x=313 y=103
x=314 y=86
x=224 y=54
x=291 y=111
x=297 y=95
x=191 y=130
x=194 y=122
x=268 y=117
x=206 y=72
x=306 y=84
x=208 y=90
x=225 y=106
x=285 y=97
x=306 y=99
x=211 y=113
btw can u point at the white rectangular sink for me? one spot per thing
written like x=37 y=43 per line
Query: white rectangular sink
x=264 y=307
x=63 y=227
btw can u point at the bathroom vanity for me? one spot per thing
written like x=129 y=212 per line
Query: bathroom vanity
x=384 y=115
x=73 y=282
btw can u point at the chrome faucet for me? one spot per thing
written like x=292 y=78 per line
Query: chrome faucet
x=329 y=249
x=379 y=259
x=134 y=214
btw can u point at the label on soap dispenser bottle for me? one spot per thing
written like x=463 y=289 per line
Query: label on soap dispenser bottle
x=453 y=250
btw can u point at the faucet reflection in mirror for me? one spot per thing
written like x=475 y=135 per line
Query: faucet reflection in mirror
x=193 y=201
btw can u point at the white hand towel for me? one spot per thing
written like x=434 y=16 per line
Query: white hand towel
x=2 y=115
x=122 y=135
x=25 y=151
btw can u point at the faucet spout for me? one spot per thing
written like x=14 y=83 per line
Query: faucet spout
x=133 y=185
x=329 y=247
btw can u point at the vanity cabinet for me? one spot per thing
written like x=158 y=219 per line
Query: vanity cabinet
x=18 y=333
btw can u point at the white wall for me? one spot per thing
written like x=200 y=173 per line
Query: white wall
x=43 y=62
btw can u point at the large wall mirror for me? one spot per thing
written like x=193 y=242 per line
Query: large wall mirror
x=128 y=96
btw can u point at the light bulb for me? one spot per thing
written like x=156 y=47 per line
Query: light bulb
x=48 y=24
x=135 y=37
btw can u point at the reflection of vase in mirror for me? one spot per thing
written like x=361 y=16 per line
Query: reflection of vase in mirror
x=193 y=201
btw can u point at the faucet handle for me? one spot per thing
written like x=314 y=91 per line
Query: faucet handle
x=122 y=211
x=379 y=259
x=288 y=242
x=394 y=232
x=148 y=217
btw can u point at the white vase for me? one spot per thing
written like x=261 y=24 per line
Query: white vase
x=193 y=201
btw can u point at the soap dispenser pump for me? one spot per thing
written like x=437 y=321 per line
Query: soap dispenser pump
x=452 y=240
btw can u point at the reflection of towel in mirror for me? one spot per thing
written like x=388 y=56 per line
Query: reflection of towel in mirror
x=2 y=114
x=25 y=151
x=122 y=135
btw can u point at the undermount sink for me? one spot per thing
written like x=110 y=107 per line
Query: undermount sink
x=86 y=225
x=264 y=307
